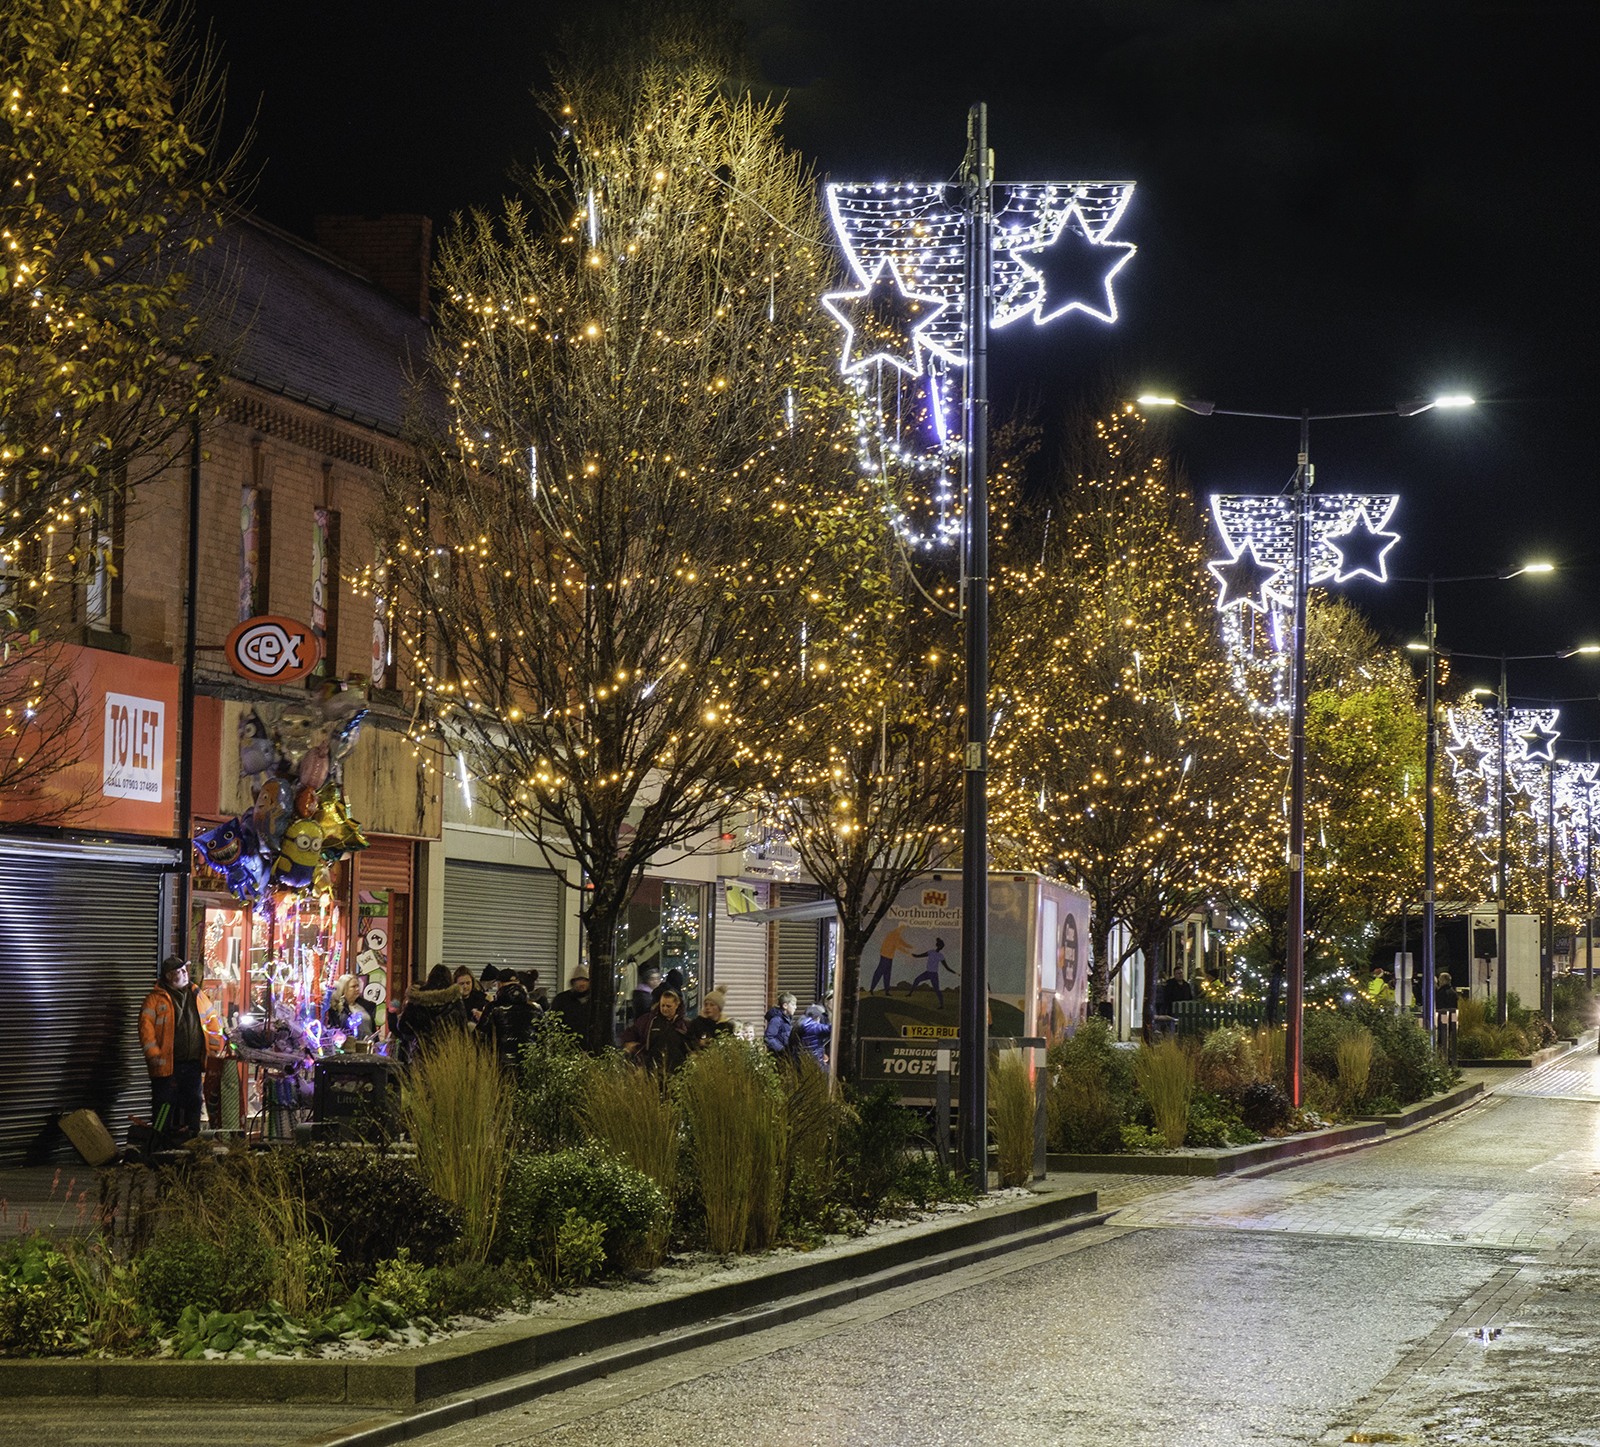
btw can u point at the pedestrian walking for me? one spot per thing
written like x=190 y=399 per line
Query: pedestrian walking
x=178 y=1028
x=709 y=1025
x=811 y=1033
x=780 y=1024
x=659 y=1039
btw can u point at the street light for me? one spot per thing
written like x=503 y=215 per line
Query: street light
x=1431 y=752
x=1303 y=481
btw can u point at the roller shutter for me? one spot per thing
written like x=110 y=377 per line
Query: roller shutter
x=503 y=915
x=739 y=963
x=80 y=944
x=800 y=947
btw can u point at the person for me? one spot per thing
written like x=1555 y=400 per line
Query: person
x=471 y=996
x=438 y=1006
x=780 y=1024
x=659 y=1039
x=1275 y=993
x=935 y=958
x=178 y=1028
x=644 y=996
x=811 y=1033
x=709 y=1025
x=574 y=1006
x=508 y=1023
x=350 y=1011
x=893 y=943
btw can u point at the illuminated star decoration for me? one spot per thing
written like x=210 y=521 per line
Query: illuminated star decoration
x=1070 y=266
x=1361 y=549
x=1539 y=742
x=1469 y=758
x=884 y=321
x=1244 y=578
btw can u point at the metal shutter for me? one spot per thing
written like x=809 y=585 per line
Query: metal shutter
x=800 y=947
x=500 y=915
x=739 y=963
x=80 y=943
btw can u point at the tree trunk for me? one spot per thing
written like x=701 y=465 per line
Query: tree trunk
x=600 y=934
x=1099 y=974
x=851 y=943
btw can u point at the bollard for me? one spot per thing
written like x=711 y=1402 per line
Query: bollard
x=941 y=1105
x=1041 y=1089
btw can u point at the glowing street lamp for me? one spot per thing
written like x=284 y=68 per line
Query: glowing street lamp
x=1279 y=546
x=936 y=265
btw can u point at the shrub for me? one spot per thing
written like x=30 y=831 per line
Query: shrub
x=1093 y=1048
x=402 y=1281
x=1165 y=1073
x=1214 y=1121
x=541 y=1189
x=924 y=1180
x=1574 y=1007
x=374 y=1205
x=469 y=1288
x=1011 y=1113
x=66 y=1296
x=553 y=1084
x=1270 y=1047
x=626 y=1112
x=188 y=1267
x=815 y=1117
x=732 y=1102
x=1141 y=1138
x=1263 y=1107
x=580 y=1249
x=1227 y=1059
x=873 y=1149
x=1354 y=1056
x=1081 y=1117
x=458 y=1109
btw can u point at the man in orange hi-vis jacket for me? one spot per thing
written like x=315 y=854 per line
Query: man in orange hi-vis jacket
x=178 y=1027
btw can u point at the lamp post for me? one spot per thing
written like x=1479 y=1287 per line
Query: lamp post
x=1303 y=481
x=1431 y=762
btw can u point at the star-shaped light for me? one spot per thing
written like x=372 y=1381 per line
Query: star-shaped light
x=883 y=320
x=1244 y=578
x=1469 y=758
x=1074 y=271
x=1361 y=549
x=1538 y=742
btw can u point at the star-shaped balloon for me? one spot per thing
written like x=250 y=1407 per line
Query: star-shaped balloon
x=1539 y=742
x=1244 y=578
x=1361 y=549
x=883 y=321
x=1073 y=270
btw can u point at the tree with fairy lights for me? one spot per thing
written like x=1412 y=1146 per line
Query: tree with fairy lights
x=108 y=184
x=610 y=550
x=1364 y=782
x=1123 y=753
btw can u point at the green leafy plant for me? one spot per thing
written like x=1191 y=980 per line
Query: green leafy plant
x=1137 y=1137
x=457 y=1107
x=1081 y=1116
x=1575 y=1007
x=1165 y=1073
x=873 y=1146
x=925 y=1181
x=190 y=1267
x=403 y=1282
x=627 y=1112
x=579 y=1249
x=470 y=1288
x=541 y=1190
x=555 y=1084
x=372 y=1204
x=1011 y=1116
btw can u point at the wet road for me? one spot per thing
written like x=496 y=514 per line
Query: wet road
x=1442 y=1287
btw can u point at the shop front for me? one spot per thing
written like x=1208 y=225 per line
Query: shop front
x=88 y=865
x=663 y=928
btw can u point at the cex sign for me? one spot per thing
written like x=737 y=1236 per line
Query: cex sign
x=134 y=732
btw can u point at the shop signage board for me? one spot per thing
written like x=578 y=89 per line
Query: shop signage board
x=910 y=1066
x=112 y=721
x=271 y=649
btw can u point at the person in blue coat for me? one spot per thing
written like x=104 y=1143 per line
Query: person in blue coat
x=780 y=1024
x=812 y=1032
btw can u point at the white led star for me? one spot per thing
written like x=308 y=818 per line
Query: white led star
x=894 y=318
x=1073 y=271
x=1361 y=549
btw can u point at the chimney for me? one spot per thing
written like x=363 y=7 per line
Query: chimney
x=394 y=251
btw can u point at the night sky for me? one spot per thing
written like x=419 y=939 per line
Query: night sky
x=1340 y=205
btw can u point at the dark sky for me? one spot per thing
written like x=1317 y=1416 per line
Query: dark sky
x=1341 y=203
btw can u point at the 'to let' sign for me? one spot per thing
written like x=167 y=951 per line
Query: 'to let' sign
x=270 y=649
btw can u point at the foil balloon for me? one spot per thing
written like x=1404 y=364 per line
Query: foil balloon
x=344 y=737
x=295 y=732
x=274 y=808
x=234 y=851
x=341 y=835
x=256 y=754
x=306 y=802
x=314 y=767
x=299 y=856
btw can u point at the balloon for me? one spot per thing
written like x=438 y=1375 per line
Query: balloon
x=314 y=767
x=234 y=850
x=340 y=833
x=344 y=737
x=299 y=855
x=256 y=754
x=306 y=802
x=294 y=732
x=274 y=806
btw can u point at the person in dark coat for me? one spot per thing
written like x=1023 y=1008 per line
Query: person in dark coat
x=508 y=1023
x=811 y=1032
x=574 y=1006
x=709 y=1025
x=471 y=995
x=780 y=1024
x=438 y=1006
x=659 y=1038
x=644 y=996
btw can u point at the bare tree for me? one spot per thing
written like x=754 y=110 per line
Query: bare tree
x=609 y=551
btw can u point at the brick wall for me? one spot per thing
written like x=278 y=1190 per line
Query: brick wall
x=395 y=251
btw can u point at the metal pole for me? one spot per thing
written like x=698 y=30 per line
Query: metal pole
x=1547 y=972
x=1404 y=963
x=1588 y=874
x=975 y=839
x=186 y=743
x=1426 y=999
x=1500 y=945
x=1293 y=1042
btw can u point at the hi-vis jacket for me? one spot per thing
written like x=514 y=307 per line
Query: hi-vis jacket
x=158 y=1028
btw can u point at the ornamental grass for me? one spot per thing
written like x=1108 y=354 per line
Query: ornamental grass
x=1011 y=1115
x=626 y=1111
x=1354 y=1054
x=1165 y=1073
x=733 y=1110
x=458 y=1109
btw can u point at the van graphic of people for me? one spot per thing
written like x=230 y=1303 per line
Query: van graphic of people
x=893 y=943
x=935 y=958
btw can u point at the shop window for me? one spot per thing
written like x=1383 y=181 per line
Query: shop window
x=325 y=590
x=662 y=929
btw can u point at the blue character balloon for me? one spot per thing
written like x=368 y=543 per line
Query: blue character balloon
x=234 y=850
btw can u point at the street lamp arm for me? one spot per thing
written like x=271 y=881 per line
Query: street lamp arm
x=1476 y=577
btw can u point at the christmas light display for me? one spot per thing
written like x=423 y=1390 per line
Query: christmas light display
x=884 y=322
x=1348 y=540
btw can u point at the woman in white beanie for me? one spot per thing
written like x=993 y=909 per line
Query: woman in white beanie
x=709 y=1025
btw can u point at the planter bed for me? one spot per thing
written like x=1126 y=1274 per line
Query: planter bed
x=1225 y=1161
x=1427 y=1109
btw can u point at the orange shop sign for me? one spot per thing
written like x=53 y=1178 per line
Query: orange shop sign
x=106 y=738
x=270 y=649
